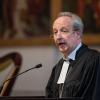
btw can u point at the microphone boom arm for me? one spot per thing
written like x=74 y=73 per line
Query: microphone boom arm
x=37 y=66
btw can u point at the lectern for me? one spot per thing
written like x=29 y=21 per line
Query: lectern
x=36 y=98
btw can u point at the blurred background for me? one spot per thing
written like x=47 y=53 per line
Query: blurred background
x=25 y=27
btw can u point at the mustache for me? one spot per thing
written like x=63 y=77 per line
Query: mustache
x=60 y=40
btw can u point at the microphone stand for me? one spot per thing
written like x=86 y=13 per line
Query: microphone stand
x=37 y=66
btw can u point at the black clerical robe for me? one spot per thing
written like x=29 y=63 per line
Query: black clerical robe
x=82 y=79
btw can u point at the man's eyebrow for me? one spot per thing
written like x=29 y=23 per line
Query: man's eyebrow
x=65 y=28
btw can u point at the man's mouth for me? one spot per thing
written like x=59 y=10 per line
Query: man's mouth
x=61 y=43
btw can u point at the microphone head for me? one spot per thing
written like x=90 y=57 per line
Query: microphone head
x=38 y=66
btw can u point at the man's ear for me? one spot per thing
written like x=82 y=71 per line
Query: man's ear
x=78 y=35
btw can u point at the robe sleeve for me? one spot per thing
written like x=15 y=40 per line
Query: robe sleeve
x=96 y=95
x=49 y=89
x=93 y=86
x=52 y=87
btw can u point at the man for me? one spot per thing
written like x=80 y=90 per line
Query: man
x=77 y=74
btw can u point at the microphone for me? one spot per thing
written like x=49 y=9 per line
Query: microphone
x=37 y=66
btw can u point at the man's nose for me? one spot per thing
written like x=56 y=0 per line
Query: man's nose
x=59 y=35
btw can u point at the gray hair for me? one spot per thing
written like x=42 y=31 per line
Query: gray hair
x=77 y=22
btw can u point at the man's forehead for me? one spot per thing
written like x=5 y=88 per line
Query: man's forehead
x=62 y=20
